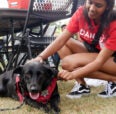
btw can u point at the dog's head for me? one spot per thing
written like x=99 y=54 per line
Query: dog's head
x=36 y=77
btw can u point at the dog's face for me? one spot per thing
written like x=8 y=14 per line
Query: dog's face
x=37 y=77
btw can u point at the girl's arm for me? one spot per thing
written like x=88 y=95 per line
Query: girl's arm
x=57 y=44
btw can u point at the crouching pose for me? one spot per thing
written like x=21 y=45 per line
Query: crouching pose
x=95 y=56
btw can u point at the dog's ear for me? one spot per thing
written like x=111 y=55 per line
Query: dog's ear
x=18 y=70
x=51 y=71
x=54 y=72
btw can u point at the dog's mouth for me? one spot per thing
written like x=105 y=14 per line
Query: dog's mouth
x=34 y=96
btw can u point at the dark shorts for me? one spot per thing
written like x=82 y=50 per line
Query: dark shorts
x=90 y=48
x=93 y=49
x=114 y=55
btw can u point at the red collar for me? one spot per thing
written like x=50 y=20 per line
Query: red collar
x=44 y=95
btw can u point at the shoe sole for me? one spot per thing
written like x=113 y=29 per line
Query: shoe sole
x=114 y=95
x=104 y=96
x=73 y=97
x=78 y=96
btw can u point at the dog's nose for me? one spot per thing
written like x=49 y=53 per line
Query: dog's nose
x=34 y=89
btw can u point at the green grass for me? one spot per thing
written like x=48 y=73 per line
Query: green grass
x=86 y=105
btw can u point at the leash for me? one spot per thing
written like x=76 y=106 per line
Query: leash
x=15 y=108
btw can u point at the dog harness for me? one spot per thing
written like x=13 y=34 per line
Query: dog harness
x=44 y=95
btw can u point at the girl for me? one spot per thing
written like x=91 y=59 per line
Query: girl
x=94 y=56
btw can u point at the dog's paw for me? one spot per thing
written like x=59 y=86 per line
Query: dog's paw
x=56 y=110
x=47 y=109
x=53 y=112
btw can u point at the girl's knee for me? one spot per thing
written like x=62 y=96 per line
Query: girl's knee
x=67 y=64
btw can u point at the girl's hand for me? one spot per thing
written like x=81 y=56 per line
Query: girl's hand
x=38 y=59
x=66 y=75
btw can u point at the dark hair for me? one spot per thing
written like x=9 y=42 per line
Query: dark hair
x=108 y=16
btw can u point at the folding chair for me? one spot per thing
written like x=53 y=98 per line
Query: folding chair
x=47 y=11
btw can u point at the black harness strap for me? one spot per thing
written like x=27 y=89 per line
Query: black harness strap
x=97 y=36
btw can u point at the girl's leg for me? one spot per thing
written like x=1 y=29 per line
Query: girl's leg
x=81 y=81
x=102 y=75
x=81 y=59
x=73 y=46
x=107 y=71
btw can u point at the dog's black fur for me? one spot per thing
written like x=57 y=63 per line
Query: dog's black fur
x=35 y=77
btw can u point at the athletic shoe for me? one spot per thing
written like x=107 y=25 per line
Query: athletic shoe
x=110 y=90
x=78 y=90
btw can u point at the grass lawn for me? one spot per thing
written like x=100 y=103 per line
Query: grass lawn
x=86 y=105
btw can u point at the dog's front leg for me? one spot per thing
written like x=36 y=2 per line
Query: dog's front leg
x=54 y=101
x=54 y=106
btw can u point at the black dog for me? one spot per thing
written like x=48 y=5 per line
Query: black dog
x=35 y=83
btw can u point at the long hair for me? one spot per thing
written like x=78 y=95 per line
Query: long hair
x=108 y=16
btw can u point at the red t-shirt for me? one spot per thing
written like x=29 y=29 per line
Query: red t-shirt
x=79 y=24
